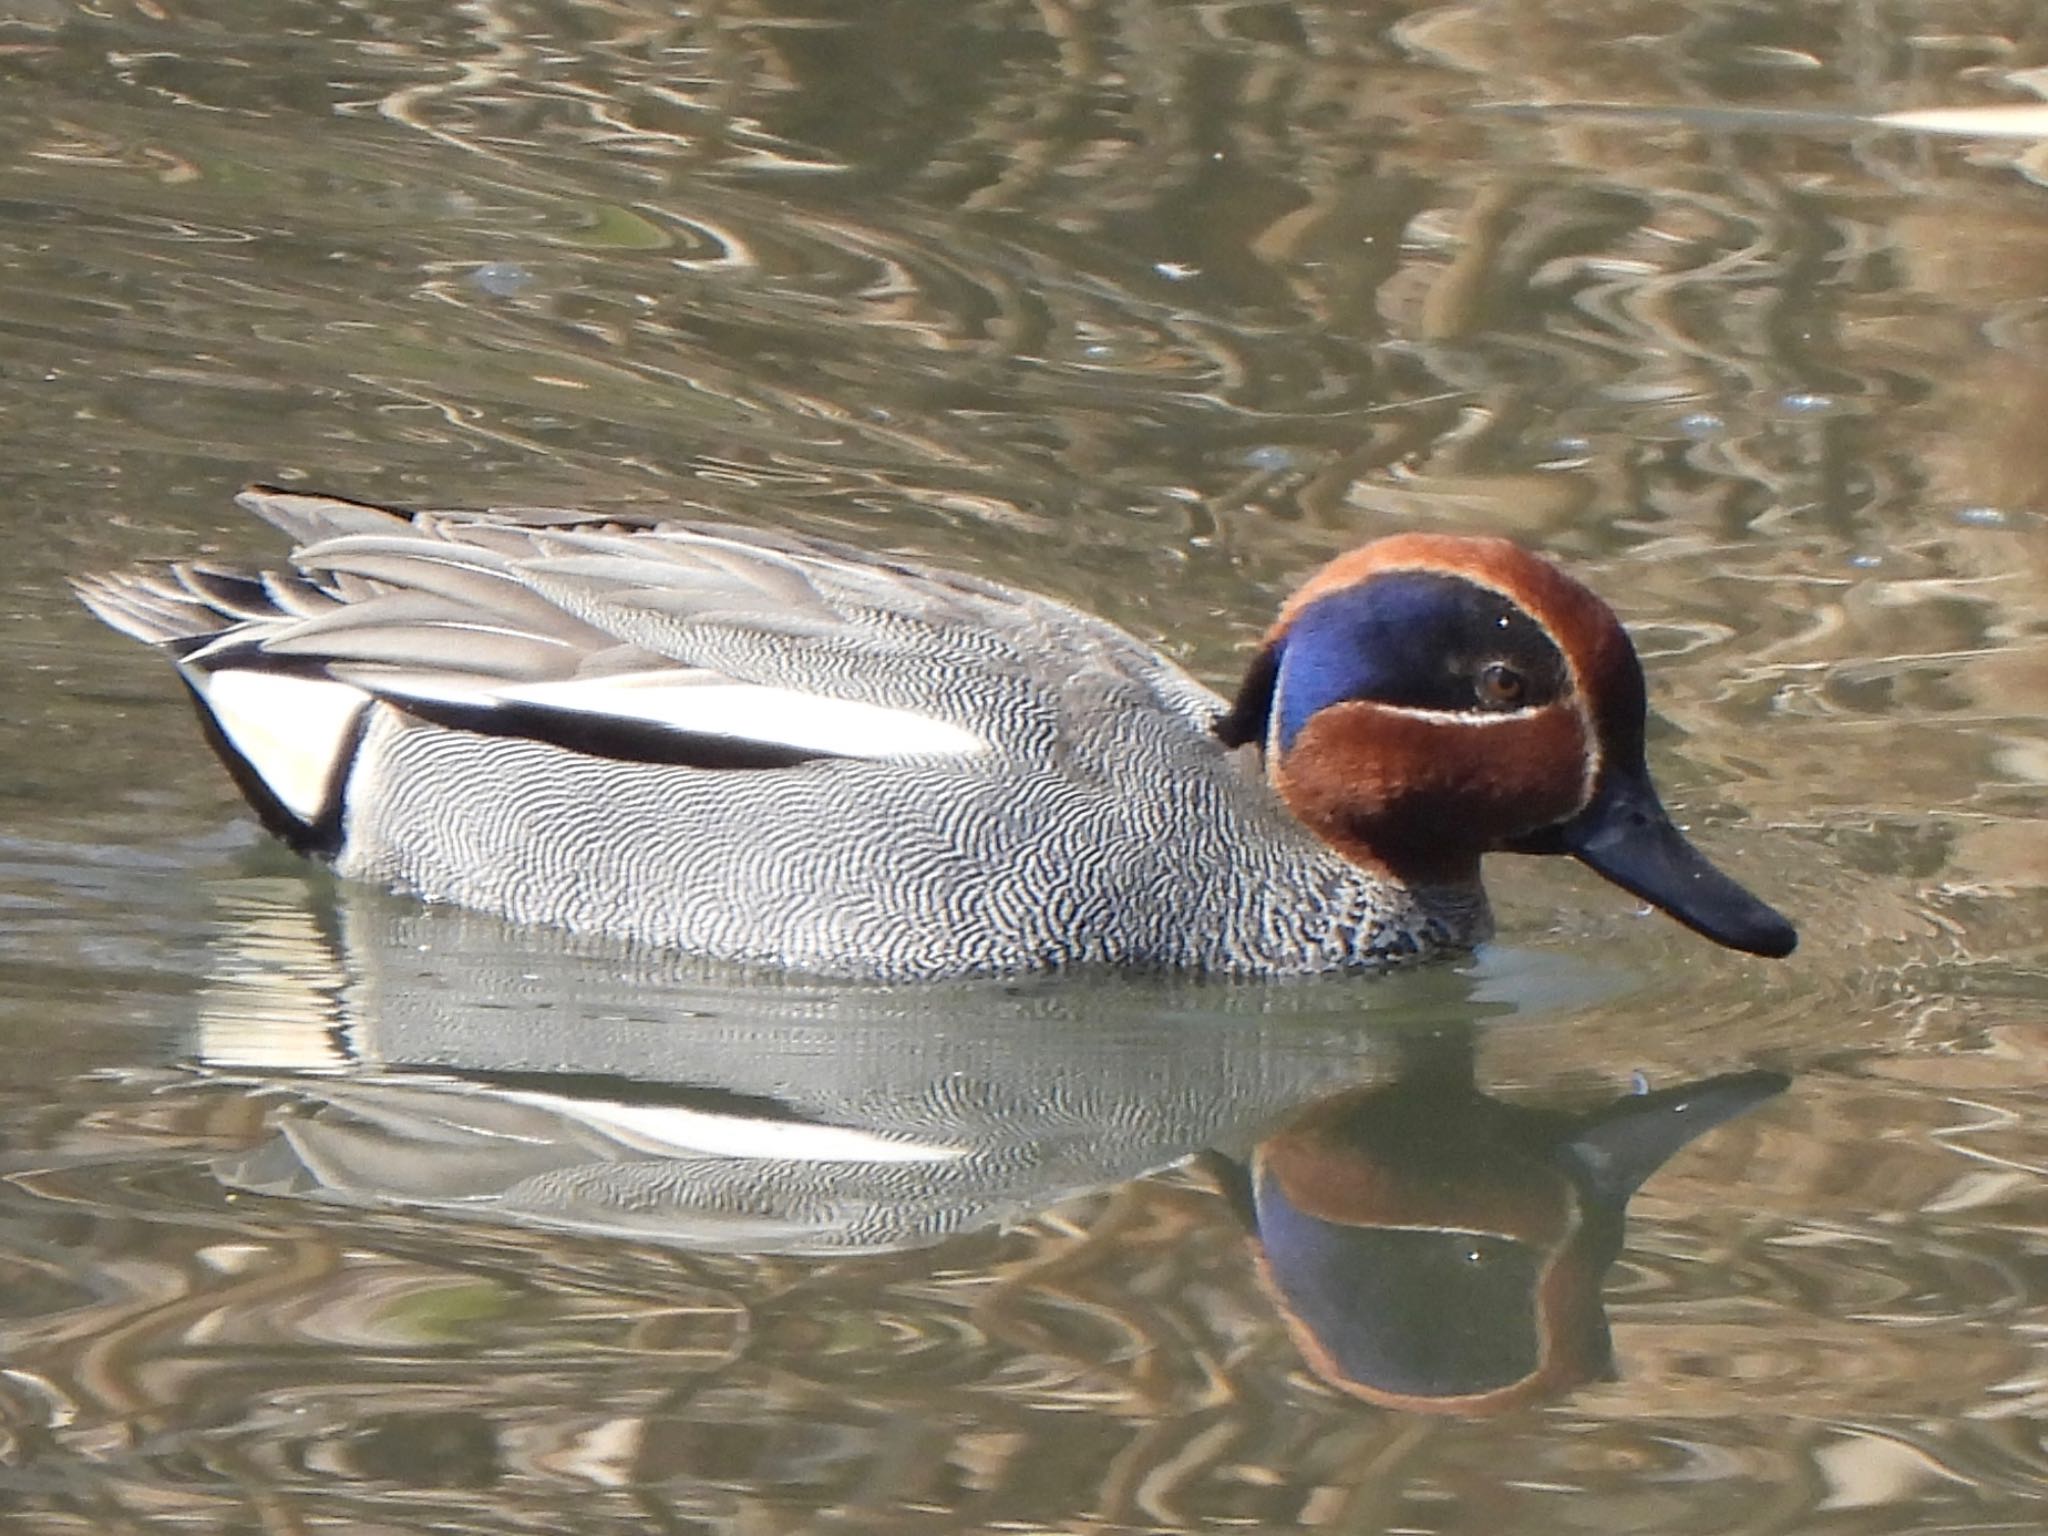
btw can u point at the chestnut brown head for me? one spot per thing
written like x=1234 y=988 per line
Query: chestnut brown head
x=1428 y=699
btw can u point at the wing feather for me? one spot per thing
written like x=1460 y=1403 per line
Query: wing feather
x=643 y=635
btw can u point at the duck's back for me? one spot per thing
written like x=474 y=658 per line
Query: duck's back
x=749 y=745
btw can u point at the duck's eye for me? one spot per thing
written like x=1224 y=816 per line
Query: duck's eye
x=1500 y=686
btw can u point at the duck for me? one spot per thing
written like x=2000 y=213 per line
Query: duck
x=774 y=749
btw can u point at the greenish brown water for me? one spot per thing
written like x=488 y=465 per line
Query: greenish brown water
x=1154 y=306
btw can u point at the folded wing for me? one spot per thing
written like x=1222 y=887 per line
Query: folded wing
x=648 y=640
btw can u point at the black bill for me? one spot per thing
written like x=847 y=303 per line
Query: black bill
x=1626 y=836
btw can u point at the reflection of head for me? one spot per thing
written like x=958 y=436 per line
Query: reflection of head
x=1436 y=1250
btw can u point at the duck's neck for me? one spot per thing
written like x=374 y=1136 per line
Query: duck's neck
x=1403 y=855
x=1430 y=919
x=1402 y=897
x=1404 y=841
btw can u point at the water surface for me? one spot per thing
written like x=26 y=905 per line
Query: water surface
x=1153 y=306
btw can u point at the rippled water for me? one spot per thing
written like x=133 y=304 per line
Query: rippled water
x=320 y=1211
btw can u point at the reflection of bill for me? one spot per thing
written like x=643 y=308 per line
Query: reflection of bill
x=1437 y=1250
x=1430 y=1247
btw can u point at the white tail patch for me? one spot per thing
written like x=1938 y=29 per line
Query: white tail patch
x=704 y=704
x=292 y=731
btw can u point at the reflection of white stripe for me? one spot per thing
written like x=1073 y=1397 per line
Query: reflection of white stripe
x=672 y=1131
x=697 y=703
x=291 y=731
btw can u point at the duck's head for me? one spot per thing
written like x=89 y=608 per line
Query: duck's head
x=1428 y=699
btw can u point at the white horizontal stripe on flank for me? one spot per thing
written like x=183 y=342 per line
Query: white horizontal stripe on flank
x=291 y=731
x=697 y=703
x=674 y=1131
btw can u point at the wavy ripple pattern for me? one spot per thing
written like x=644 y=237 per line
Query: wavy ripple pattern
x=1153 y=305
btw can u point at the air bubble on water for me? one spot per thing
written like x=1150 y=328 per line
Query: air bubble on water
x=1270 y=457
x=1804 y=402
x=502 y=279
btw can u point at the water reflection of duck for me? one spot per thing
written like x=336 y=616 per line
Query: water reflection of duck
x=429 y=1057
x=1441 y=1251
x=1429 y=1246
x=765 y=747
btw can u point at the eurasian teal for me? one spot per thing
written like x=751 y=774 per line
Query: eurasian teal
x=772 y=748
